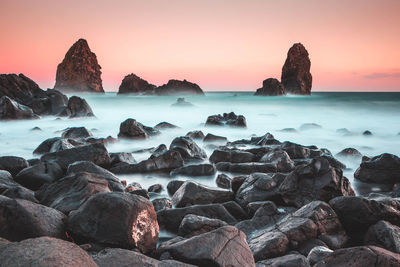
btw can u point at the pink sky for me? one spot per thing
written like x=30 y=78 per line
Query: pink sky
x=221 y=45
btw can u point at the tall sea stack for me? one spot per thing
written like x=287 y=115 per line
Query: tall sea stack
x=296 y=77
x=79 y=71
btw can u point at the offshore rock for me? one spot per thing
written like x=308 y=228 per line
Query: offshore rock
x=176 y=87
x=133 y=84
x=271 y=87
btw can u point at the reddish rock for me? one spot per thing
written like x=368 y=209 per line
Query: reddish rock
x=79 y=71
x=176 y=87
x=133 y=84
x=271 y=87
x=296 y=77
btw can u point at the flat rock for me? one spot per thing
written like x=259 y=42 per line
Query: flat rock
x=195 y=170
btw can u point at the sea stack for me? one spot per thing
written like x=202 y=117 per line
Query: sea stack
x=133 y=84
x=271 y=87
x=176 y=87
x=296 y=77
x=79 y=71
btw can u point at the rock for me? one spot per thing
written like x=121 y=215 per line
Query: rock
x=11 y=189
x=210 y=138
x=12 y=110
x=192 y=193
x=271 y=87
x=288 y=130
x=195 y=170
x=309 y=126
x=170 y=219
x=121 y=157
x=176 y=87
x=360 y=257
x=123 y=220
x=230 y=119
x=46 y=145
x=161 y=203
x=192 y=225
x=36 y=129
x=223 y=181
x=382 y=169
x=296 y=77
x=225 y=246
x=157 y=188
x=165 y=125
x=140 y=192
x=180 y=102
x=367 y=133
x=95 y=153
x=79 y=71
x=385 y=235
x=188 y=149
x=237 y=182
x=280 y=159
x=132 y=84
x=131 y=129
x=290 y=260
x=195 y=135
x=233 y=156
x=266 y=139
x=77 y=107
x=13 y=164
x=173 y=186
x=76 y=133
x=296 y=151
x=246 y=168
x=350 y=153
x=318 y=254
x=35 y=176
x=22 y=219
x=236 y=210
x=267 y=205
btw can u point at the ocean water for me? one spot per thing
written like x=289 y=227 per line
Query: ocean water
x=357 y=112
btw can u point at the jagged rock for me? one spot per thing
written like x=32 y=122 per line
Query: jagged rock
x=382 y=169
x=385 y=235
x=22 y=219
x=132 y=129
x=349 y=153
x=161 y=203
x=230 y=119
x=195 y=135
x=280 y=159
x=233 y=156
x=296 y=151
x=271 y=87
x=195 y=170
x=12 y=110
x=121 y=157
x=192 y=225
x=79 y=71
x=122 y=219
x=176 y=87
x=211 y=138
x=76 y=133
x=173 y=186
x=13 y=164
x=223 y=181
x=236 y=210
x=77 y=107
x=296 y=77
x=317 y=254
x=290 y=260
x=132 y=84
x=237 y=182
x=158 y=151
x=11 y=189
x=188 y=149
x=35 y=176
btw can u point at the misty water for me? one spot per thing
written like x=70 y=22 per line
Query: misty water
x=357 y=112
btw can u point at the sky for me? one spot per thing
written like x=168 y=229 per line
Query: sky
x=219 y=44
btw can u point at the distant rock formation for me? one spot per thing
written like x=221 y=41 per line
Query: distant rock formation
x=271 y=87
x=296 y=77
x=133 y=84
x=176 y=87
x=79 y=71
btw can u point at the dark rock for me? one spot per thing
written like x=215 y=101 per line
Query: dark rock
x=132 y=84
x=280 y=159
x=140 y=192
x=267 y=205
x=157 y=188
x=246 y=168
x=210 y=138
x=161 y=203
x=79 y=71
x=122 y=220
x=165 y=125
x=195 y=170
x=223 y=181
x=290 y=260
x=309 y=126
x=180 y=102
x=77 y=107
x=33 y=162
x=121 y=157
x=192 y=225
x=288 y=130
x=12 y=110
x=230 y=119
x=173 y=186
x=306 y=247
x=385 y=235
x=233 y=156
x=158 y=151
x=225 y=246
x=382 y=169
x=271 y=87
x=296 y=77
x=13 y=164
x=22 y=219
x=318 y=254
x=188 y=149
x=195 y=135
x=132 y=129
x=76 y=133
x=176 y=87
x=35 y=176
x=237 y=182
x=46 y=145
x=349 y=153
x=296 y=151
x=235 y=210
x=367 y=133
x=11 y=189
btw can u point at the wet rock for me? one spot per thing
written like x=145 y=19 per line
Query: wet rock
x=188 y=149
x=267 y=205
x=177 y=87
x=165 y=125
x=382 y=169
x=181 y=102
x=132 y=84
x=210 y=138
x=350 y=153
x=367 y=133
x=12 y=110
x=296 y=77
x=195 y=170
x=173 y=186
x=385 y=235
x=131 y=129
x=271 y=87
x=35 y=176
x=195 y=135
x=79 y=71
x=46 y=145
x=140 y=192
x=290 y=260
x=236 y=210
x=229 y=119
x=318 y=254
x=309 y=126
x=22 y=219
x=158 y=151
x=157 y=188
x=296 y=151
x=192 y=225
x=77 y=107
x=122 y=220
x=161 y=203
x=223 y=181
x=121 y=157
x=76 y=133
x=11 y=189
x=280 y=159
x=36 y=129
x=246 y=168
x=237 y=182
x=13 y=164
x=288 y=130
x=233 y=156
x=225 y=246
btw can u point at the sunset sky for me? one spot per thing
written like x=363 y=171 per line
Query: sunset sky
x=221 y=45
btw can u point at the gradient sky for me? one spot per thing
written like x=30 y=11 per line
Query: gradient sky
x=221 y=45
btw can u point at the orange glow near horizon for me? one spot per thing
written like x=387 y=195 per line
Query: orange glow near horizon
x=221 y=45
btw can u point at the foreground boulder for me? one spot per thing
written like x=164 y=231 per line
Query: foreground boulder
x=132 y=84
x=382 y=169
x=122 y=219
x=188 y=149
x=225 y=246
x=77 y=107
x=230 y=119
x=37 y=175
x=192 y=225
x=176 y=87
x=22 y=219
x=79 y=71
x=13 y=164
x=12 y=110
x=131 y=129
x=11 y=189
x=271 y=87
x=296 y=77
x=385 y=235
x=44 y=252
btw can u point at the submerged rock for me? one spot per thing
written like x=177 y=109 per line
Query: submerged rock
x=176 y=87
x=230 y=119
x=271 y=87
x=181 y=102
x=188 y=149
x=132 y=84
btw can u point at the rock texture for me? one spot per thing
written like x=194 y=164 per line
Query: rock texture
x=12 y=110
x=271 y=87
x=176 y=87
x=133 y=84
x=79 y=71
x=296 y=77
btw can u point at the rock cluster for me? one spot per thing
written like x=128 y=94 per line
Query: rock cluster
x=177 y=87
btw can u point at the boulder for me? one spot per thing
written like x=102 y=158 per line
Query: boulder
x=131 y=129
x=161 y=203
x=156 y=188
x=290 y=260
x=132 y=84
x=44 y=252
x=22 y=219
x=192 y=225
x=76 y=133
x=11 y=189
x=35 y=176
x=77 y=107
x=318 y=254
x=229 y=119
x=296 y=151
x=165 y=125
x=173 y=186
x=176 y=87
x=237 y=182
x=158 y=151
x=195 y=170
x=188 y=149
x=46 y=145
x=192 y=193
x=70 y=192
x=13 y=164
x=280 y=159
x=195 y=135
x=79 y=71
x=385 y=235
x=271 y=87
x=349 y=153
x=233 y=156
x=121 y=219
x=121 y=157
x=267 y=205
x=223 y=181
x=246 y=168
x=210 y=138
x=12 y=110
x=296 y=77
x=382 y=169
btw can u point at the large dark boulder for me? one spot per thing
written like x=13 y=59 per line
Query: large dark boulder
x=230 y=119
x=225 y=246
x=280 y=159
x=21 y=219
x=271 y=87
x=296 y=77
x=132 y=84
x=35 y=176
x=70 y=192
x=77 y=107
x=11 y=189
x=12 y=110
x=188 y=149
x=195 y=170
x=192 y=225
x=131 y=129
x=176 y=87
x=246 y=168
x=382 y=169
x=13 y=164
x=44 y=252
x=118 y=219
x=233 y=156
x=79 y=71
x=385 y=235
x=76 y=133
